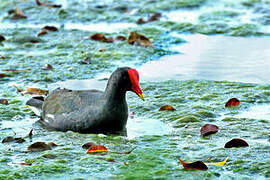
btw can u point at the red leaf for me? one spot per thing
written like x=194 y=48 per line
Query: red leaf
x=208 y=129
x=97 y=149
x=197 y=165
x=232 y=102
x=236 y=142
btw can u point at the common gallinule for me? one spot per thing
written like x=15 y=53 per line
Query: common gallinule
x=90 y=111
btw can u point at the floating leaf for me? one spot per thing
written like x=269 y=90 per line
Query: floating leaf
x=2 y=38
x=101 y=50
x=138 y=39
x=12 y=139
x=87 y=145
x=208 y=129
x=23 y=163
x=18 y=14
x=86 y=61
x=236 y=142
x=48 y=5
x=50 y=28
x=167 y=108
x=36 y=91
x=218 y=163
x=97 y=149
x=141 y=21
x=232 y=102
x=39 y=146
x=13 y=70
x=4 y=101
x=47 y=67
x=120 y=38
x=197 y=165
x=42 y=32
x=154 y=17
x=101 y=37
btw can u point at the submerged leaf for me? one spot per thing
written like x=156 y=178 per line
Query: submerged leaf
x=39 y=146
x=197 y=165
x=4 y=101
x=167 y=108
x=208 y=129
x=236 y=142
x=18 y=14
x=97 y=149
x=232 y=102
x=138 y=39
x=218 y=163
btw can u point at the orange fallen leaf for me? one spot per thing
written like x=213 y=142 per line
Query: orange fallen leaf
x=208 y=129
x=232 y=102
x=197 y=165
x=167 y=108
x=236 y=142
x=18 y=14
x=97 y=149
x=138 y=39
x=4 y=101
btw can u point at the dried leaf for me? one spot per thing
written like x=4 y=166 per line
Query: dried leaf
x=218 y=163
x=101 y=37
x=39 y=146
x=18 y=89
x=167 y=108
x=208 y=129
x=23 y=163
x=236 y=142
x=12 y=70
x=87 y=145
x=18 y=14
x=2 y=57
x=141 y=21
x=36 y=91
x=97 y=149
x=42 y=32
x=120 y=38
x=47 y=67
x=154 y=17
x=232 y=102
x=2 y=38
x=48 y=5
x=138 y=39
x=4 y=101
x=197 y=165
x=101 y=50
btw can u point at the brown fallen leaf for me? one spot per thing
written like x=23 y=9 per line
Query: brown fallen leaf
x=141 y=21
x=167 y=108
x=154 y=17
x=197 y=165
x=208 y=129
x=18 y=14
x=101 y=50
x=42 y=32
x=23 y=163
x=46 y=29
x=2 y=57
x=120 y=38
x=36 y=91
x=138 y=39
x=97 y=149
x=48 y=5
x=236 y=142
x=4 y=101
x=39 y=146
x=18 y=89
x=101 y=37
x=2 y=38
x=232 y=102
x=87 y=145
x=47 y=67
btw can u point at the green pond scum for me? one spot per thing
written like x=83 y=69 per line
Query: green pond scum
x=196 y=102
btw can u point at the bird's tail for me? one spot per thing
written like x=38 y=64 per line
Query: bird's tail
x=35 y=103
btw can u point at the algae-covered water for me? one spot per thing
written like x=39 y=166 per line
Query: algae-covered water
x=190 y=67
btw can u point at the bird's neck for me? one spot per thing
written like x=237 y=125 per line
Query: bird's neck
x=114 y=92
